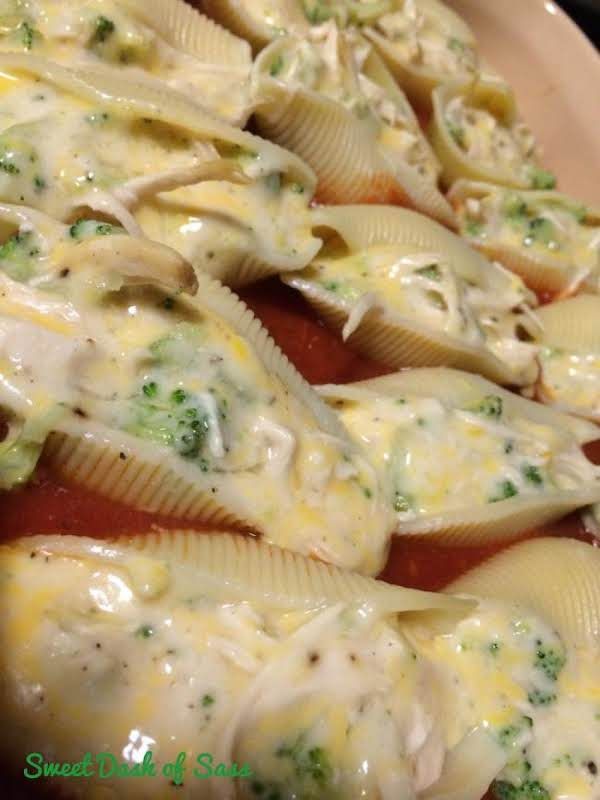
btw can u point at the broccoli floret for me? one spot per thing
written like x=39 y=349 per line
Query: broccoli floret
x=309 y=763
x=491 y=406
x=276 y=66
x=506 y=490
x=87 y=228
x=431 y=272
x=16 y=256
x=172 y=418
x=549 y=660
x=474 y=228
x=516 y=208
x=540 y=230
x=456 y=132
x=532 y=474
x=28 y=34
x=529 y=790
x=103 y=30
x=541 y=179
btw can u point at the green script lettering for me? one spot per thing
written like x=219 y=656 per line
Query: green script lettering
x=205 y=761
x=34 y=760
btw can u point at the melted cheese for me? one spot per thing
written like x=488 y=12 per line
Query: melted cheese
x=425 y=288
x=508 y=670
x=183 y=383
x=437 y=458
x=62 y=155
x=103 y=31
x=168 y=671
x=539 y=226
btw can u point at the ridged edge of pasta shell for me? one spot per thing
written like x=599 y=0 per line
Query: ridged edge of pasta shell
x=185 y=28
x=557 y=578
x=243 y=568
x=234 y=15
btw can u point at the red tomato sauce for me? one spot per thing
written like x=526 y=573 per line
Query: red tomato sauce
x=47 y=506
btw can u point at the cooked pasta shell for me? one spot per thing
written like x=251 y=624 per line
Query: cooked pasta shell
x=395 y=338
x=187 y=30
x=351 y=150
x=415 y=58
x=233 y=568
x=257 y=23
x=214 y=223
x=438 y=438
x=469 y=769
x=547 y=238
x=95 y=450
x=482 y=117
x=559 y=579
x=569 y=339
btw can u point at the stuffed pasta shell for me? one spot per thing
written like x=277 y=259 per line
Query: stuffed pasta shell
x=175 y=404
x=464 y=460
x=244 y=646
x=165 y=39
x=423 y=42
x=477 y=134
x=258 y=21
x=549 y=239
x=328 y=97
x=141 y=155
x=403 y=290
x=569 y=355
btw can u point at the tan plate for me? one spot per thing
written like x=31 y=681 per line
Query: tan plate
x=555 y=72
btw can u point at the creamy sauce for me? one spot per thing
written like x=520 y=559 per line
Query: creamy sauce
x=62 y=154
x=259 y=686
x=436 y=458
x=427 y=288
x=184 y=389
x=547 y=228
x=106 y=32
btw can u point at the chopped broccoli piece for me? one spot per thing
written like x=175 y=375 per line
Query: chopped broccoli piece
x=542 y=179
x=309 y=763
x=402 y=503
x=506 y=490
x=144 y=632
x=532 y=474
x=456 y=132
x=16 y=256
x=207 y=700
x=549 y=660
x=28 y=34
x=528 y=790
x=103 y=30
x=538 y=697
x=516 y=208
x=491 y=406
x=540 y=230
x=432 y=272
x=474 y=228
x=86 y=228
x=456 y=45
x=276 y=66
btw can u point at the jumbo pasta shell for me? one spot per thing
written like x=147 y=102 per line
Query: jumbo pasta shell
x=559 y=579
x=500 y=103
x=570 y=356
x=563 y=273
x=233 y=568
x=134 y=470
x=345 y=150
x=250 y=245
x=493 y=522
x=418 y=80
x=244 y=19
x=395 y=340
